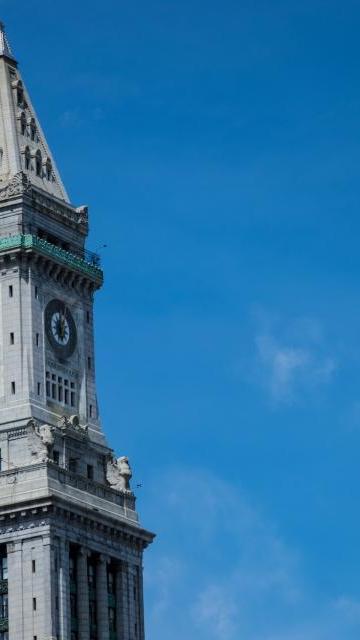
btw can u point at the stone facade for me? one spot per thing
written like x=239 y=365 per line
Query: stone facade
x=71 y=544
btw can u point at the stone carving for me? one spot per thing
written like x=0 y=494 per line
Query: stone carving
x=72 y=423
x=119 y=474
x=19 y=184
x=41 y=439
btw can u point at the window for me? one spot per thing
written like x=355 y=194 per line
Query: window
x=111 y=582
x=20 y=96
x=72 y=394
x=60 y=389
x=32 y=129
x=12 y=338
x=4 y=606
x=72 y=568
x=36 y=292
x=89 y=363
x=39 y=388
x=37 y=339
x=13 y=388
x=90 y=472
x=0 y=469
x=38 y=164
x=91 y=411
x=11 y=291
x=88 y=317
x=33 y=566
x=23 y=124
x=91 y=574
x=34 y=604
x=48 y=169
x=3 y=568
x=92 y=612
x=53 y=387
x=27 y=159
x=112 y=620
x=73 y=465
x=56 y=458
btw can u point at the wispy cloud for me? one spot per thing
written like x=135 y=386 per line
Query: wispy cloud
x=291 y=359
x=222 y=571
x=76 y=117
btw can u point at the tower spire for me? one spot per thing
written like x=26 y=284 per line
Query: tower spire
x=5 y=49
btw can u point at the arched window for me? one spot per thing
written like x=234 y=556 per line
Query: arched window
x=27 y=159
x=23 y=123
x=38 y=164
x=20 y=96
x=32 y=129
x=48 y=167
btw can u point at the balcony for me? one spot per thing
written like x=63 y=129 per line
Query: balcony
x=4 y=624
x=86 y=262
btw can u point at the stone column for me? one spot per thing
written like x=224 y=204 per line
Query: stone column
x=48 y=604
x=64 y=591
x=15 y=586
x=122 y=602
x=102 y=604
x=141 y=601
x=132 y=612
x=82 y=581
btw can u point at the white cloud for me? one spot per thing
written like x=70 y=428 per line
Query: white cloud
x=291 y=359
x=216 y=610
x=220 y=570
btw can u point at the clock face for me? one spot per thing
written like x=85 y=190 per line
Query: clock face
x=60 y=329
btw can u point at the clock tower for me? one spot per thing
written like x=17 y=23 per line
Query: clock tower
x=71 y=544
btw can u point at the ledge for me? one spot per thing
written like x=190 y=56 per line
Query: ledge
x=30 y=242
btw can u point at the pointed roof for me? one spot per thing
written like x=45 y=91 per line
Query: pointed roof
x=23 y=146
x=5 y=49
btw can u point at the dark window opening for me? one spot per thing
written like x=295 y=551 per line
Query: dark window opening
x=90 y=472
x=4 y=612
x=56 y=458
x=3 y=564
x=23 y=124
x=39 y=388
x=37 y=339
x=34 y=604
x=32 y=130
x=27 y=159
x=11 y=291
x=33 y=566
x=73 y=465
x=13 y=388
x=38 y=164
x=12 y=338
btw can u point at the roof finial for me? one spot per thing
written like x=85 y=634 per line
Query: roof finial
x=5 y=49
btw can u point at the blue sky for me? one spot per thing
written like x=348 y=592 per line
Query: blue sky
x=218 y=147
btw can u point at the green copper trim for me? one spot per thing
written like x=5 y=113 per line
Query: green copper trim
x=28 y=241
x=4 y=624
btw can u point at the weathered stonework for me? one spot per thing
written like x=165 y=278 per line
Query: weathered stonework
x=71 y=543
